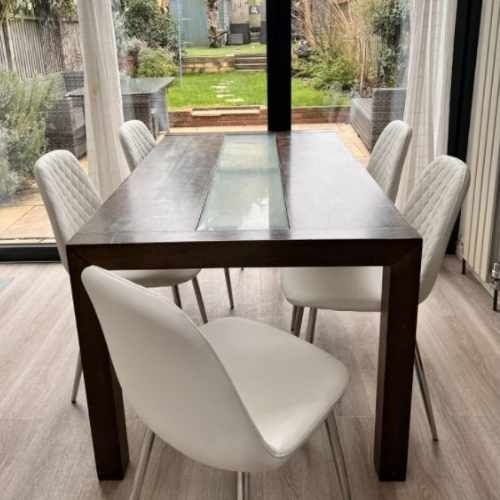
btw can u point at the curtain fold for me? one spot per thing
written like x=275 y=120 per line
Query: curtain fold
x=429 y=83
x=103 y=102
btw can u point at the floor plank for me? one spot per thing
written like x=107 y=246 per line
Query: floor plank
x=45 y=441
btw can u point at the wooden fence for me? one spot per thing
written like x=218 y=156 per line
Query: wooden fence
x=30 y=47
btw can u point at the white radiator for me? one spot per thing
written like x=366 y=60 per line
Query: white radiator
x=483 y=158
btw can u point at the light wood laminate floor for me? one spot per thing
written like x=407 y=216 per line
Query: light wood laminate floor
x=45 y=448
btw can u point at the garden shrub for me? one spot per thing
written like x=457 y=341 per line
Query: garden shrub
x=333 y=69
x=8 y=179
x=146 y=20
x=23 y=110
x=155 y=63
x=388 y=19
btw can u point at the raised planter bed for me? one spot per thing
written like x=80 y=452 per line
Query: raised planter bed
x=210 y=64
x=254 y=115
x=204 y=64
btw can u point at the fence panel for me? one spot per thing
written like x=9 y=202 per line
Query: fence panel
x=70 y=40
x=4 y=63
x=30 y=47
x=35 y=48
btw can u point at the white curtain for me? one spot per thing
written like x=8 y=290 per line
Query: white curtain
x=103 y=102
x=429 y=82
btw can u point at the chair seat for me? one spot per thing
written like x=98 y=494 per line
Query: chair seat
x=286 y=385
x=337 y=288
x=156 y=278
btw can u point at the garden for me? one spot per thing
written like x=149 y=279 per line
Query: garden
x=341 y=50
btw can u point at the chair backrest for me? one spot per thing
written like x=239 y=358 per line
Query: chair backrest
x=388 y=157
x=137 y=141
x=432 y=209
x=170 y=373
x=69 y=196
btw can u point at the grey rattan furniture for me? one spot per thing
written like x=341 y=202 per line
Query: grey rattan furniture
x=369 y=116
x=143 y=99
x=65 y=127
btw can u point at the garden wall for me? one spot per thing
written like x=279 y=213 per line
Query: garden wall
x=208 y=64
x=238 y=116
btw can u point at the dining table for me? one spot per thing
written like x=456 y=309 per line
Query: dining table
x=267 y=200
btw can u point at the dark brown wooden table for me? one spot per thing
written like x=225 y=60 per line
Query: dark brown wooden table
x=338 y=216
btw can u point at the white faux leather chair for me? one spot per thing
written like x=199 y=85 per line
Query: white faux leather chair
x=234 y=394
x=71 y=200
x=432 y=209
x=388 y=157
x=137 y=142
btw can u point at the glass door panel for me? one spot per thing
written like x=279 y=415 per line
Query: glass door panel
x=349 y=67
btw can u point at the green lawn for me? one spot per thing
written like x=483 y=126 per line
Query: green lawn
x=251 y=48
x=241 y=88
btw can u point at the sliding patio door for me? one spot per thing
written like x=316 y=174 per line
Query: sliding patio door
x=349 y=67
x=40 y=62
x=214 y=53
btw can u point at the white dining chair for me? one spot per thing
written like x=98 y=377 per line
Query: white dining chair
x=137 y=142
x=71 y=200
x=388 y=157
x=432 y=209
x=223 y=394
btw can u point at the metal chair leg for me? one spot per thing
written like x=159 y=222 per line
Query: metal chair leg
x=426 y=395
x=242 y=485
x=298 y=321
x=227 y=275
x=294 y=318
x=177 y=296
x=199 y=299
x=142 y=466
x=311 y=325
x=338 y=456
x=76 y=379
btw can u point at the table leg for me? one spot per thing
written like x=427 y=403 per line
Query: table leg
x=398 y=326
x=104 y=394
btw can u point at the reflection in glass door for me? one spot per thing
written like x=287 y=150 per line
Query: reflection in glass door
x=40 y=62
x=349 y=67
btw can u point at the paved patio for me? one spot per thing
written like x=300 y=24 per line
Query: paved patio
x=24 y=219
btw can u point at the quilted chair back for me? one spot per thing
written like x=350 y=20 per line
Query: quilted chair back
x=388 y=157
x=432 y=209
x=69 y=196
x=137 y=142
x=171 y=375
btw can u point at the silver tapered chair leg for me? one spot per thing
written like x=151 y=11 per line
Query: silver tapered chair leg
x=294 y=318
x=311 y=325
x=227 y=275
x=177 y=296
x=338 y=456
x=199 y=299
x=426 y=395
x=242 y=486
x=76 y=379
x=142 y=466
x=298 y=321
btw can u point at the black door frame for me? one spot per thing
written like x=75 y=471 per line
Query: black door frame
x=279 y=65
x=467 y=29
x=279 y=94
